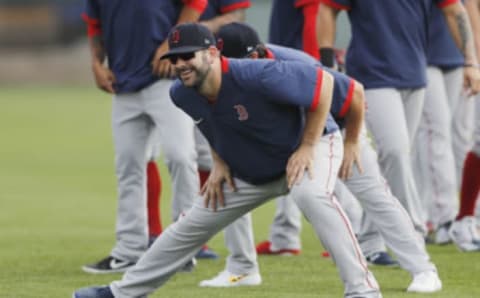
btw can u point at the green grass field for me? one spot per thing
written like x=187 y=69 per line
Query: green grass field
x=57 y=210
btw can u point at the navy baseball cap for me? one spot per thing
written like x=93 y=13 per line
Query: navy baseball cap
x=188 y=38
x=237 y=40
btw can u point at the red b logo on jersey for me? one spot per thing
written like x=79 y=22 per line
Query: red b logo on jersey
x=242 y=112
x=175 y=36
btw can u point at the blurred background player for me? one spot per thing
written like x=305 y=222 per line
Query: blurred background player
x=217 y=14
x=392 y=68
x=445 y=130
x=463 y=231
x=140 y=82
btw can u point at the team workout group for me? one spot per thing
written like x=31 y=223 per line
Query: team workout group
x=376 y=145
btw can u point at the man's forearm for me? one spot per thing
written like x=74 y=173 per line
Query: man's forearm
x=315 y=120
x=473 y=10
x=355 y=115
x=459 y=25
x=97 y=49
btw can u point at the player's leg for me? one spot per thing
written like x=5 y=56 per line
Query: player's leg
x=433 y=159
x=242 y=258
x=464 y=230
x=182 y=239
x=204 y=162
x=462 y=123
x=154 y=188
x=369 y=238
x=386 y=120
x=315 y=199
x=130 y=132
x=285 y=230
x=175 y=133
x=390 y=218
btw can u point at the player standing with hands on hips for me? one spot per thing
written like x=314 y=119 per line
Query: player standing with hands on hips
x=132 y=35
x=239 y=105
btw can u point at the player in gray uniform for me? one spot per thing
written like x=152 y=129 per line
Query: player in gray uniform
x=444 y=133
x=250 y=95
x=368 y=185
x=140 y=83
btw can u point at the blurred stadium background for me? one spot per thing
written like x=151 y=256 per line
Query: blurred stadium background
x=44 y=42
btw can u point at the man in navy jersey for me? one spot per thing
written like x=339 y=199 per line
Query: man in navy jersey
x=239 y=40
x=271 y=133
x=132 y=35
x=445 y=131
x=392 y=66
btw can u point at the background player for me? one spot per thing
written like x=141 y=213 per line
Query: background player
x=140 y=103
x=463 y=231
x=392 y=68
x=272 y=164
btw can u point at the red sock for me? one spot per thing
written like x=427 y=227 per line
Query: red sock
x=203 y=177
x=470 y=186
x=154 y=188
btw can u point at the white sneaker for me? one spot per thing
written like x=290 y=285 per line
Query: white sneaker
x=227 y=279
x=441 y=235
x=464 y=234
x=425 y=282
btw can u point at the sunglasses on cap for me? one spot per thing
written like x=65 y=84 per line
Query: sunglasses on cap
x=185 y=57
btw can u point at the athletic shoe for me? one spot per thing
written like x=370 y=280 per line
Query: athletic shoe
x=108 y=265
x=381 y=258
x=425 y=282
x=265 y=248
x=206 y=253
x=441 y=236
x=189 y=266
x=464 y=234
x=93 y=292
x=227 y=279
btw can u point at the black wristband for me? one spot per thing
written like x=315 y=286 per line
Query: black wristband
x=471 y=65
x=327 y=57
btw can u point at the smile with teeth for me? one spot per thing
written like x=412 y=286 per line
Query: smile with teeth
x=185 y=73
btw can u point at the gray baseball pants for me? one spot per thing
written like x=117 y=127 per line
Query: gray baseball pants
x=135 y=117
x=435 y=160
x=386 y=214
x=181 y=240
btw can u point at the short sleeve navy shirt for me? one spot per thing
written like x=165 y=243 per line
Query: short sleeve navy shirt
x=258 y=118
x=132 y=31
x=389 y=41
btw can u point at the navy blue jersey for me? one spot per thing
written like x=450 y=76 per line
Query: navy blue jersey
x=442 y=50
x=219 y=7
x=132 y=31
x=258 y=118
x=343 y=85
x=293 y=26
x=389 y=41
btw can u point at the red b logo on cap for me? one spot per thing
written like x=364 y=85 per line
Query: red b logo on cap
x=175 y=36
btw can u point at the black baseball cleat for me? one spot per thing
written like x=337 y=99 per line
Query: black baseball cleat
x=108 y=265
x=93 y=292
x=381 y=258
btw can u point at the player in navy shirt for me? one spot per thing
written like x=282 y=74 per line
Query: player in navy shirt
x=391 y=64
x=248 y=110
x=444 y=134
x=131 y=35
